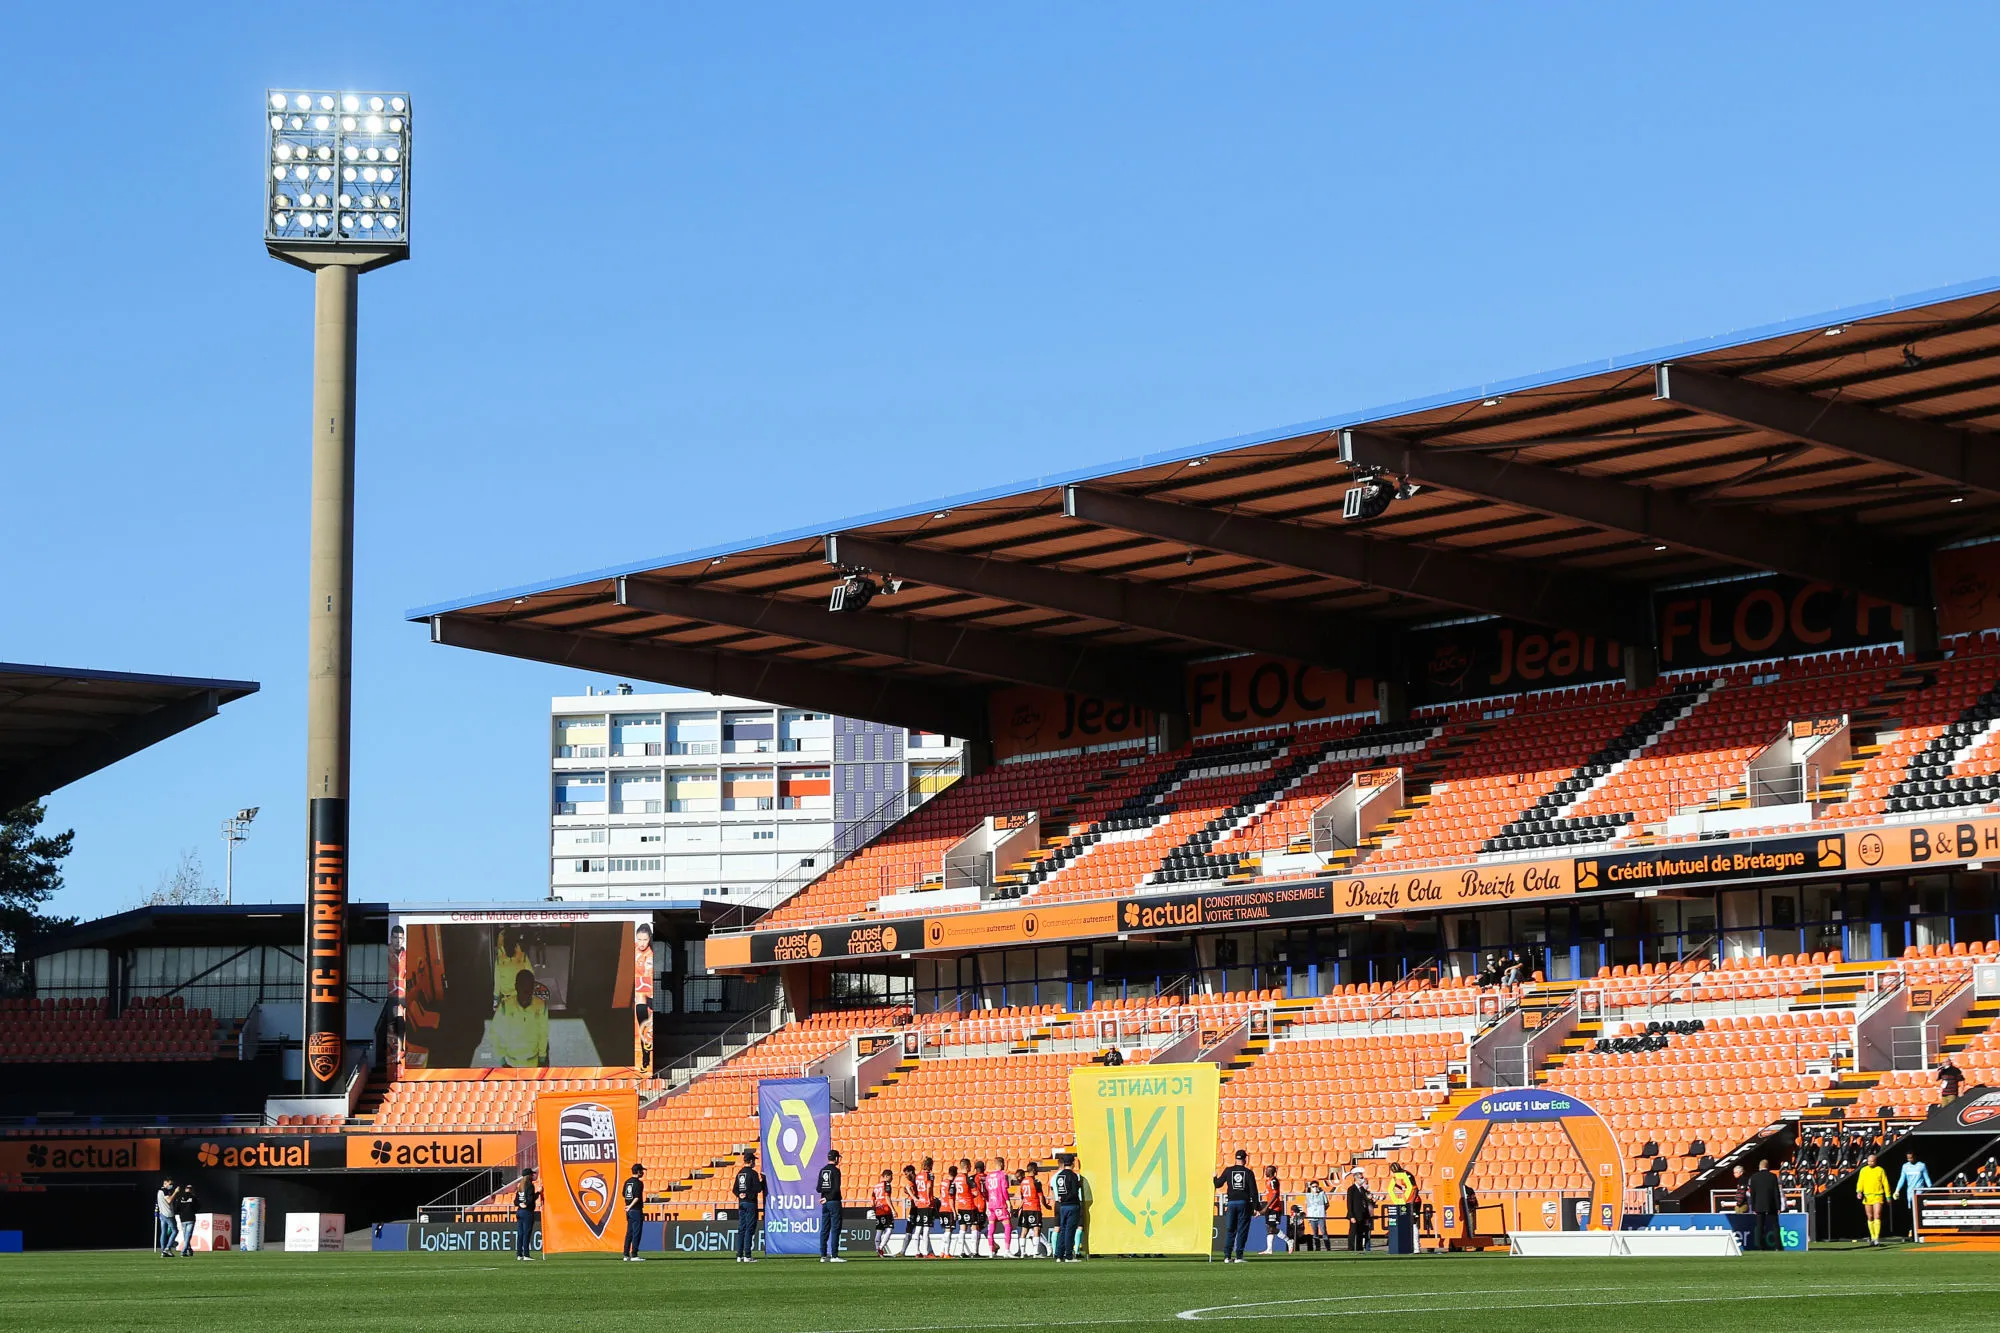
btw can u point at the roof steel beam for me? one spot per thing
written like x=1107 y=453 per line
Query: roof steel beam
x=35 y=780
x=874 y=695
x=1958 y=457
x=1029 y=659
x=1879 y=566
x=1230 y=622
x=1545 y=594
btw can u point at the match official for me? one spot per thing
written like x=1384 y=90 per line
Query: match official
x=1068 y=1189
x=1238 y=1184
x=749 y=1189
x=634 y=1194
x=829 y=1209
x=526 y=1196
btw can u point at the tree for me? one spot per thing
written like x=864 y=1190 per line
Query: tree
x=185 y=885
x=30 y=874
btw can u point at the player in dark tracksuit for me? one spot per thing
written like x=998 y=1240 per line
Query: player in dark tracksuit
x=749 y=1189
x=829 y=1209
x=1068 y=1189
x=525 y=1197
x=1239 y=1199
x=634 y=1194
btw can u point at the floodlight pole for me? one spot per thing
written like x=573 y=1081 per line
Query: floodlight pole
x=329 y=651
x=336 y=203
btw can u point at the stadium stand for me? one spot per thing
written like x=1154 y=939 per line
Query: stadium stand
x=80 y=1030
x=1558 y=770
x=911 y=852
x=1939 y=755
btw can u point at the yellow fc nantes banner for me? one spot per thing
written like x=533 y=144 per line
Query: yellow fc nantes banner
x=1145 y=1142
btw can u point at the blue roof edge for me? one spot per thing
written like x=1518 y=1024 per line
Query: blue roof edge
x=1517 y=384
x=128 y=677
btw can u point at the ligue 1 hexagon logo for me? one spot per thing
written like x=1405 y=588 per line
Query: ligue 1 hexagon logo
x=792 y=1140
x=587 y=1144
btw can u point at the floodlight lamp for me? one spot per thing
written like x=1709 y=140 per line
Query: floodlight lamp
x=337 y=137
x=248 y=814
x=1368 y=500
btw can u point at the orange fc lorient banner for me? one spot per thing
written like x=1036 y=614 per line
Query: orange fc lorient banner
x=586 y=1142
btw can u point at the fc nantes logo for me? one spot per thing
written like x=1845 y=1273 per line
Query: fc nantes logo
x=588 y=1143
x=1149 y=1184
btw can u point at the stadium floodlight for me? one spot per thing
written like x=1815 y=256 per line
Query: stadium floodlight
x=853 y=592
x=337 y=178
x=235 y=829
x=337 y=203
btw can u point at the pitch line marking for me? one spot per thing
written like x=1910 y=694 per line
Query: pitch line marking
x=1219 y=1313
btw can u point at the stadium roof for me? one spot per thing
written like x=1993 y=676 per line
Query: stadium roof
x=1843 y=448
x=58 y=724
x=203 y=925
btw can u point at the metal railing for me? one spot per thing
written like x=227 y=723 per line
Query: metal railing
x=1910 y=1047
x=1423 y=977
x=712 y=1052
x=481 y=1198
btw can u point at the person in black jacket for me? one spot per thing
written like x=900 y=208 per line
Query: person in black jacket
x=1068 y=1190
x=1238 y=1184
x=1360 y=1213
x=634 y=1194
x=1767 y=1200
x=749 y=1189
x=829 y=1209
x=525 y=1199
x=184 y=1207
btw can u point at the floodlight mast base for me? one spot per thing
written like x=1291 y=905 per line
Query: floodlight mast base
x=329 y=651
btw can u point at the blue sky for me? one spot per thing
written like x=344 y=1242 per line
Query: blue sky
x=686 y=275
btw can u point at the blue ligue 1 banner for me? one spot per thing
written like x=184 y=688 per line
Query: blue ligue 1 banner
x=795 y=1126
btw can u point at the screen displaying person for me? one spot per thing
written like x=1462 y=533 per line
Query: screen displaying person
x=509 y=958
x=520 y=1028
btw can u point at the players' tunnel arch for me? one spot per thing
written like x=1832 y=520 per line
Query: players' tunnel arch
x=1467 y=1132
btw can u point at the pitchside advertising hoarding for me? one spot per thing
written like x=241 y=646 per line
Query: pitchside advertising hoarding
x=795 y=1125
x=523 y=994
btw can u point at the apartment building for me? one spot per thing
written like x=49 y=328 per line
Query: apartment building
x=683 y=795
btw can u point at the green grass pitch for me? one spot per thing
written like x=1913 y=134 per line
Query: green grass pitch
x=1833 y=1288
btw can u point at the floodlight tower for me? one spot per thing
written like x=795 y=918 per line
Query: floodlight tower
x=336 y=203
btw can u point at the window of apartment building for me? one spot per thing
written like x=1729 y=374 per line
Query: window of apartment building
x=749 y=733
x=693 y=733
x=637 y=793
x=692 y=792
x=805 y=789
x=798 y=731
x=580 y=737
x=580 y=794
x=637 y=735
x=748 y=789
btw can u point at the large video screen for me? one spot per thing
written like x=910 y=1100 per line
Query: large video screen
x=526 y=992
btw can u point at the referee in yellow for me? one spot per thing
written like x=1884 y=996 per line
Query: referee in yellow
x=1872 y=1188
